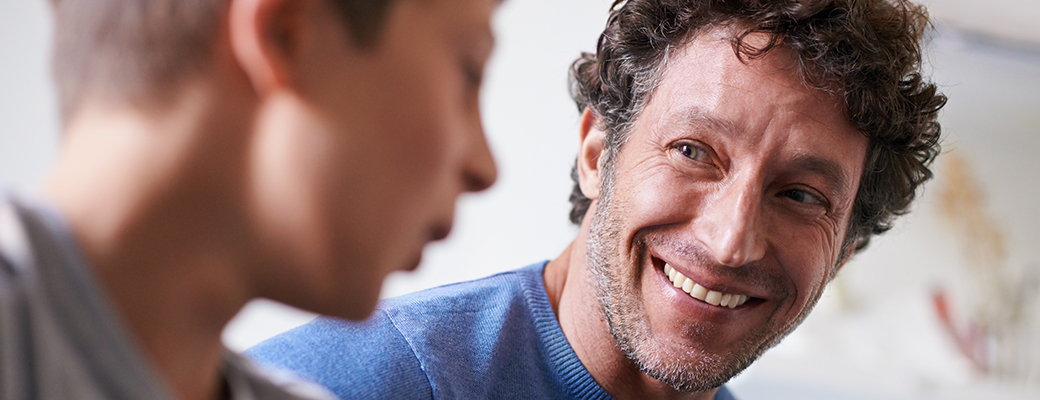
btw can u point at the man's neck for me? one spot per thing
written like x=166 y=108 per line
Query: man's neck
x=154 y=201
x=573 y=298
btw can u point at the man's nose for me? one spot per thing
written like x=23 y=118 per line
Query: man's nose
x=479 y=172
x=730 y=224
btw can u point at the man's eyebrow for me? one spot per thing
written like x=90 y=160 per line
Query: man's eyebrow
x=696 y=116
x=833 y=174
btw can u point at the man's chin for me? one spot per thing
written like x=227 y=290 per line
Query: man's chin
x=354 y=302
x=696 y=371
x=359 y=309
x=695 y=357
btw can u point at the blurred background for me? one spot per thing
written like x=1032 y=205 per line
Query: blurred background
x=946 y=306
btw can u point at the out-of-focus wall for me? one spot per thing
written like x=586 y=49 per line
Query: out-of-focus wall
x=28 y=105
x=875 y=334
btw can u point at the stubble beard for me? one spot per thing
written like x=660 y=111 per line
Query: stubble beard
x=617 y=288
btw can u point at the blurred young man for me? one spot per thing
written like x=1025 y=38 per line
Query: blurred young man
x=734 y=155
x=217 y=151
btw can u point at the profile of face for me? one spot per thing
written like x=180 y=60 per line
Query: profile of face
x=722 y=218
x=361 y=164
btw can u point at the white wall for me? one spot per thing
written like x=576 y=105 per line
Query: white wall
x=874 y=335
x=28 y=109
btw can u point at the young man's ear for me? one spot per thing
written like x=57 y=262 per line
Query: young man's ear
x=268 y=38
x=590 y=154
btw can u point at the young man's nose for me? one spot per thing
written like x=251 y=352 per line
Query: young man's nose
x=730 y=224
x=479 y=171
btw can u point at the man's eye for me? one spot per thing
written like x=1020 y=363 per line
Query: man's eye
x=693 y=152
x=801 y=196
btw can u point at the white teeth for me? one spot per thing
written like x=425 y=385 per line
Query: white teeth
x=713 y=298
x=701 y=293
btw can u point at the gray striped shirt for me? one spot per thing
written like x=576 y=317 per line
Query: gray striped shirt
x=61 y=339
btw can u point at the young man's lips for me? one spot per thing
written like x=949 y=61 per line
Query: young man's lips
x=414 y=264
x=440 y=232
x=437 y=232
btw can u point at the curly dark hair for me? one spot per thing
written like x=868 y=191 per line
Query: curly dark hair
x=866 y=51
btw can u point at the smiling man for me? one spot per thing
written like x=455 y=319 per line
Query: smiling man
x=734 y=155
x=217 y=151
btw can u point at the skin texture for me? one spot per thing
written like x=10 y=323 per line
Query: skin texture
x=296 y=167
x=740 y=177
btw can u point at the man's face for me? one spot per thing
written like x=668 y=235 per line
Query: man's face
x=740 y=178
x=365 y=168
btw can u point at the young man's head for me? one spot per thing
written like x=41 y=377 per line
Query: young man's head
x=734 y=155
x=345 y=129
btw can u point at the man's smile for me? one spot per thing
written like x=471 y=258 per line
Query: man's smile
x=707 y=290
x=701 y=293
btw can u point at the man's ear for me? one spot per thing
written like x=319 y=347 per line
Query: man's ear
x=590 y=154
x=267 y=39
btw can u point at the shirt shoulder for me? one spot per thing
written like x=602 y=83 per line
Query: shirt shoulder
x=248 y=381
x=59 y=336
x=447 y=340
x=724 y=394
x=366 y=360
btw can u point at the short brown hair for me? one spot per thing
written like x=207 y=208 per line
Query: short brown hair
x=868 y=51
x=138 y=50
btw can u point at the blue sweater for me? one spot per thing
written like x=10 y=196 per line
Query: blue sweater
x=495 y=337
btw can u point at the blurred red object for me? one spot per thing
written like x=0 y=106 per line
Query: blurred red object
x=971 y=341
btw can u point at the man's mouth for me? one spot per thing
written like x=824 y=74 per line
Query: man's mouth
x=701 y=293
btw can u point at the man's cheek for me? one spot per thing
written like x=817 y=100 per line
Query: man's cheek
x=657 y=201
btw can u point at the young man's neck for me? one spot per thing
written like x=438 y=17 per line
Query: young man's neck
x=155 y=201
